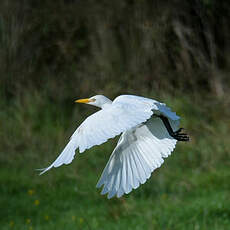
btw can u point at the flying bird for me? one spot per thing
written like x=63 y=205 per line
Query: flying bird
x=149 y=132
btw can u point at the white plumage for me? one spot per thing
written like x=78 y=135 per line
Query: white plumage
x=144 y=142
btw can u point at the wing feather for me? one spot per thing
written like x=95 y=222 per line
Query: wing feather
x=134 y=171
x=129 y=174
x=145 y=168
x=65 y=157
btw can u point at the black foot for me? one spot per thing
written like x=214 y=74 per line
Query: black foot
x=178 y=135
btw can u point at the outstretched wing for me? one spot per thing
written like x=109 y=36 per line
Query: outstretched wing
x=138 y=153
x=107 y=123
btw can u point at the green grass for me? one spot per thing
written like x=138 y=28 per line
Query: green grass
x=189 y=191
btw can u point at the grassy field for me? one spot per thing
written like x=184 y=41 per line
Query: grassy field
x=190 y=191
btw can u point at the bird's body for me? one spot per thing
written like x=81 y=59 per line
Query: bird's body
x=149 y=133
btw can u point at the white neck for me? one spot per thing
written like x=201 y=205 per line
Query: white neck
x=107 y=104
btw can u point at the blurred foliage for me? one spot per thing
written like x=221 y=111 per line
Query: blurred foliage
x=82 y=47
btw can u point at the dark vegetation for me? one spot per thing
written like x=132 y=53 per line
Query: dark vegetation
x=52 y=52
x=67 y=48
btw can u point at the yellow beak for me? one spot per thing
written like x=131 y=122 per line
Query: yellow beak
x=86 y=100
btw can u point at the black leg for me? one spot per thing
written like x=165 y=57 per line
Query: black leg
x=178 y=135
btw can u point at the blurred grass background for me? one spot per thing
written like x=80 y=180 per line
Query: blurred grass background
x=54 y=52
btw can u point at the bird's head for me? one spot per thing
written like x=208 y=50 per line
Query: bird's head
x=98 y=101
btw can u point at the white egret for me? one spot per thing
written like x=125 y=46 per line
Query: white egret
x=149 y=132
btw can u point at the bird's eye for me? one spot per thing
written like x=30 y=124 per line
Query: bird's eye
x=93 y=100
